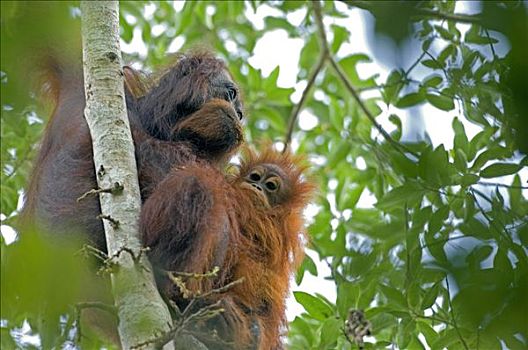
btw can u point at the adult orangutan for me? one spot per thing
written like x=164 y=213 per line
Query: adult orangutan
x=249 y=224
x=193 y=111
x=185 y=126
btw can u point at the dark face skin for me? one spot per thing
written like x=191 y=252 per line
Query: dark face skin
x=224 y=88
x=269 y=183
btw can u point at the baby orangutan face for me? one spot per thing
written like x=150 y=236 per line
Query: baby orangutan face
x=269 y=183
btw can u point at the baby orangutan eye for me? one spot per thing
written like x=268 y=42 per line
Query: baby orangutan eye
x=272 y=185
x=254 y=176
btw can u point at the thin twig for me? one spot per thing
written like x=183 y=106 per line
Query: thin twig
x=297 y=108
x=113 y=222
x=91 y=250
x=194 y=275
x=493 y=223
x=438 y=63
x=432 y=318
x=455 y=325
x=324 y=42
x=415 y=63
x=206 y=312
x=496 y=184
x=448 y=16
x=116 y=189
x=491 y=44
x=222 y=289
x=368 y=5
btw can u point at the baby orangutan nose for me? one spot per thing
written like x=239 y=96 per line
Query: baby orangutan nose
x=257 y=187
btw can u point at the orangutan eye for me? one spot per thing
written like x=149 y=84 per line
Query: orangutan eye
x=254 y=176
x=272 y=185
x=231 y=94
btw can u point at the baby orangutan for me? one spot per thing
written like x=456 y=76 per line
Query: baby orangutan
x=248 y=223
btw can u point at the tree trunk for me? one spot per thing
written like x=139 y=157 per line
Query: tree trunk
x=142 y=313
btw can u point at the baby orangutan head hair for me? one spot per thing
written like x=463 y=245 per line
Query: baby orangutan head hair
x=276 y=179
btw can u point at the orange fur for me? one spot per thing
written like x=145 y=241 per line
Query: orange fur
x=272 y=241
x=210 y=219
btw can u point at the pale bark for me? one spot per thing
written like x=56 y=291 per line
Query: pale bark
x=142 y=313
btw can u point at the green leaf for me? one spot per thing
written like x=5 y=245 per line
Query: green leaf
x=310 y=50
x=127 y=31
x=515 y=193
x=479 y=141
x=404 y=165
x=432 y=64
x=475 y=228
x=392 y=86
x=502 y=263
x=336 y=114
x=405 y=331
x=339 y=154
x=495 y=152
x=461 y=140
x=347 y=297
x=469 y=179
x=330 y=331
x=460 y=160
x=477 y=255
x=410 y=100
x=292 y=5
x=394 y=296
x=410 y=193
x=440 y=101
x=444 y=33
x=307 y=265
x=433 y=81
x=473 y=36
x=428 y=331
x=341 y=34
x=301 y=326
x=271 y=81
x=413 y=291
x=9 y=199
x=438 y=218
x=316 y=307
x=348 y=64
x=445 y=340
x=275 y=119
x=434 y=167
x=430 y=296
x=277 y=23
x=499 y=169
x=349 y=197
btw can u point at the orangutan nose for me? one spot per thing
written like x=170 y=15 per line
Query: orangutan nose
x=257 y=187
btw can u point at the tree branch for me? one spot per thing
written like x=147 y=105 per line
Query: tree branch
x=141 y=310
x=324 y=42
x=497 y=184
x=370 y=5
x=297 y=109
